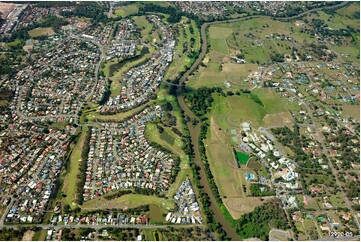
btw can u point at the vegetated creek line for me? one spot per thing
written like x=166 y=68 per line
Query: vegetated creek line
x=195 y=130
x=194 y=133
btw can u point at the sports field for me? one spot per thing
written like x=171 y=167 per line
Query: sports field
x=241 y=158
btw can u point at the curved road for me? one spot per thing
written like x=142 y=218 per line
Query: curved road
x=195 y=130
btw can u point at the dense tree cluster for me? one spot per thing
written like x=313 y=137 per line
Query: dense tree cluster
x=175 y=14
x=259 y=190
x=91 y=10
x=258 y=223
x=185 y=234
x=12 y=234
x=277 y=57
x=53 y=4
x=117 y=194
x=201 y=99
x=123 y=234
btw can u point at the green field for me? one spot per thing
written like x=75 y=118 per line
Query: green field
x=127 y=201
x=60 y=126
x=241 y=158
x=41 y=32
x=337 y=200
x=144 y=25
x=222 y=163
x=182 y=58
x=215 y=74
x=167 y=139
x=252 y=38
x=155 y=213
x=123 y=11
x=118 y=117
x=351 y=110
x=218 y=36
x=71 y=180
x=231 y=111
x=13 y=43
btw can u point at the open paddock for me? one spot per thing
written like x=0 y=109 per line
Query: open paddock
x=239 y=206
x=41 y=32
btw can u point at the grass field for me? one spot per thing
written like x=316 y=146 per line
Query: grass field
x=215 y=74
x=349 y=10
x=278 y=119
x=242 y=158
x=2 y=210
x=233 y=110
x=222 y=162
x=337 y=200
x=351 y=110
x=181 y=59
x=175 y=147
x=60 y=126
x=250 y=37
x=144 y=25
x=118 y=117
x=238 y=206
x=41 y=32
x=123 y=202
x=167 y=137
x=338 y=21
x=70 y=181
x=218 y=36
x=13 y=43
x=155 y=213
x=279 y=236
x=256 y=166
x=312 y=203
x=123 y=11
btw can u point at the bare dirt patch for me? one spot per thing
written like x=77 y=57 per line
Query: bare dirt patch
x=352 y=110
x=28 y=236
x=239 y=206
